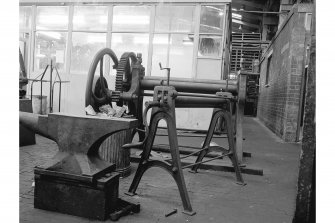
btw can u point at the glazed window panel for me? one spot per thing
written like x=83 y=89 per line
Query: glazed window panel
x=52 y=18
x=212 y=19
x=181 y=55
x=84 y=48
x=25 y=17
x=210 y=46
x=174 y=51
x=50 y=45
x=131 y=18
x=174 y=19
x=160 y=54
x=131 y=42
x=90 y=18
x=209 y=69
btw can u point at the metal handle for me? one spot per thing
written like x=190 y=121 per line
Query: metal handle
x=168 y=72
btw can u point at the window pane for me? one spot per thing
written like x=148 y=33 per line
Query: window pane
x=50 y=45
x=90 y=18
x=84 y=48
x=212 y=19
x=160 y=54
x=127 y=42
x=174 y=18
x=181 y=56
x=209 y=69
x=55 y=17
x=210 y=46
x=180 y=53
x=131 y=18
x=25 y=17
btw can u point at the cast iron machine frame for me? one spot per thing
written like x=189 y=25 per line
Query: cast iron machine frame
x=129 y=90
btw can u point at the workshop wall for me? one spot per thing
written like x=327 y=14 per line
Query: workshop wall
x=281 y=75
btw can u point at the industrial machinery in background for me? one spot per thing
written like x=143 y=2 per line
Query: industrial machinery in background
x=132 y=85
x=245 y=56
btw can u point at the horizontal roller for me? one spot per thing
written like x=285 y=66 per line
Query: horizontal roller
x=192 y=86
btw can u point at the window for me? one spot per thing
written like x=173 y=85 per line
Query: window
x=131 y=18
x=88 y=36
x=50 y=45
x=25 y=17
x=173 y=40
x=84 y=48
x=51 y=37
x=130 y=31
x=210 y=49
x=131 y=42
x=90 y=18
x=174 y=19
x=268 y=66
x=52 y=18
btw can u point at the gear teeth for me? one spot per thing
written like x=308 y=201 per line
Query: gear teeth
x=122 y=71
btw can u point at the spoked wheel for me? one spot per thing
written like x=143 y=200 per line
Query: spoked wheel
x=97 y=97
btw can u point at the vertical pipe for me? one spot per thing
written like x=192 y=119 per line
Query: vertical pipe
x=151 y=37
x=50 y=91
x=196 y=39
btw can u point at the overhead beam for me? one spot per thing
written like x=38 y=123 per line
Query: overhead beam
x=249 y=16
x=245 y=23
x=248 y=3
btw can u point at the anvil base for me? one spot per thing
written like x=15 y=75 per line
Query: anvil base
x=95 y=200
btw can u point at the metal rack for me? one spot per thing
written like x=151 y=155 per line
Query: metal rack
x=40 y=78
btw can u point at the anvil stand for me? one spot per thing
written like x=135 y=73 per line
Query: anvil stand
x=165 y=109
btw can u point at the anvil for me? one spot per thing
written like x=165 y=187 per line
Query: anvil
x=78 y=139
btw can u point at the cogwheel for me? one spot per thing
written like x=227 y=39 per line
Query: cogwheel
x=123 y=72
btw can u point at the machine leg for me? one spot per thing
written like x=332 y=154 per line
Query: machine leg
x=175 y=170
x=207 y=141
x=144 y=157
x=232 y=148
x=232 y=151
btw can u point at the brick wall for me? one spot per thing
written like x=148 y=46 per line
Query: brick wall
x=279 y=102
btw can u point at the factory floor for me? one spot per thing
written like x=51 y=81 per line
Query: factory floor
x=214 y=194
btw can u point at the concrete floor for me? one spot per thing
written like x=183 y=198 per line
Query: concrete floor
x=214 y=194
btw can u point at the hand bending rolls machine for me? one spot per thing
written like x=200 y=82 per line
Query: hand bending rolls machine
x=130 y=88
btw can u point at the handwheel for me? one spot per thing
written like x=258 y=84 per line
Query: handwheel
x=92 y=97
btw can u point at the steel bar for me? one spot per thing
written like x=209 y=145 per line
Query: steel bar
x=217 y=167
x=205 y=161
x=193 y=135
x=193 y=130
x=185 y=150
x=191 y=154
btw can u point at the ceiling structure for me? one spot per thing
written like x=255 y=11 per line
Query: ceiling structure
x=248 y=15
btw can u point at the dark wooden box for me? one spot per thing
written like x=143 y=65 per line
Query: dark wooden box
x=95 y=200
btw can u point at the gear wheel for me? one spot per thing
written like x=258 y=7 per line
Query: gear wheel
x=123 y=73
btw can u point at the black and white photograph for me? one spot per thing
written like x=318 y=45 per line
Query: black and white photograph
x=152 y=111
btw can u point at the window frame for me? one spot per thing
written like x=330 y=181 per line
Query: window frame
x=110 y=4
